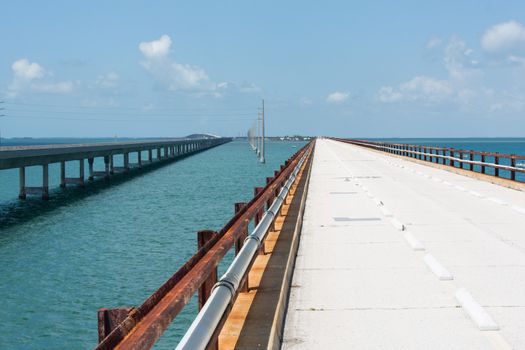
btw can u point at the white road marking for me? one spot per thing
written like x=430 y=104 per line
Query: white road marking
x=439 y=270
x=476 y=312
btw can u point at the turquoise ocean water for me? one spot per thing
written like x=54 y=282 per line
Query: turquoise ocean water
x=113 y=243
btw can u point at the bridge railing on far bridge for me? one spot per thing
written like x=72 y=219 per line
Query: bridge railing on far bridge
x=500 y=165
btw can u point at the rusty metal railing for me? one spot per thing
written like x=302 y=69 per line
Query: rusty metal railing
x=225 y=291
x=457 y=158
x=141 y=327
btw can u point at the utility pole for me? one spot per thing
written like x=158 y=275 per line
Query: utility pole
x=256 y=135
x=1 y=115
x=263 y=160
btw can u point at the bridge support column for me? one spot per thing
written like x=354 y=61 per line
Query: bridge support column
x=158 y=154
x=81 y=172
x=62 y=174
x=111 y=164
x=106 y=166
x=126 y=161
x=45 y=182
x=205 y=289
x=90 y=169
x=139 y=158
x=22 y=181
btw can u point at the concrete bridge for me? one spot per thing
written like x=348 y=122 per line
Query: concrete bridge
x=353 y=247
x=155 y=151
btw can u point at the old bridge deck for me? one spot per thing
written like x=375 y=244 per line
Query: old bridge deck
x=399 y=255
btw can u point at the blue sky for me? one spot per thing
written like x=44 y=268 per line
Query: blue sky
x=342 y=68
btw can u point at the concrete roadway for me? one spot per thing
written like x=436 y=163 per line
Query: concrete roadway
x=398 y=255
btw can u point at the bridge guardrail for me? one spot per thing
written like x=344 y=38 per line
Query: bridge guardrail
x=141 y=327
x=457 y=158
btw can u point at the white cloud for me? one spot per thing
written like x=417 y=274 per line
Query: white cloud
x=109 y=80
x=464 y=88
x=459 y=61
x=504 y=37
x=174 y=75
x=156 y=48
x=433 y=43
x=463 y=72
x=337 y=97
x=389 y=94
x=420 y=88
x=22 y=69
x=178 y=76
x=26 y=76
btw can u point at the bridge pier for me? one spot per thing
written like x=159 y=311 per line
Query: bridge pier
x=106 y=166
x=90 y=169
x=73 y=180
x=81 y=172
x=45 y=182
x=22 y=181
x=63 y=174
x=126 y=161
x=111 y=164
x=139 y=159
x=150 y=155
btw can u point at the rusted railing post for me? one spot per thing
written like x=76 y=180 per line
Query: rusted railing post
x=471 y=158
x=270 y=200
x=451 y=155
x=483 y=161
x=205 y=289
x=513 y=164
x=240 y=241
x=258 y=216
x=496 y=161
x=109 y=319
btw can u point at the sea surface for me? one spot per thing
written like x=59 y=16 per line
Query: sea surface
x=112 y=243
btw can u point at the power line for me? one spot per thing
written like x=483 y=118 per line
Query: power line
x=123 y=120
x=144 y=113
x=142 y=108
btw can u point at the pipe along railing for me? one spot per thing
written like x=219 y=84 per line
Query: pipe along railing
x=457 y=158
x=141 y=327
x=225 y=290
